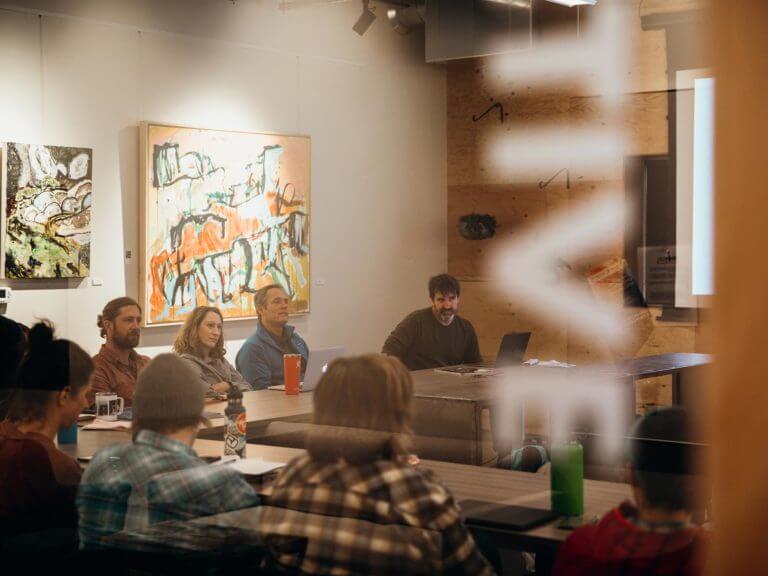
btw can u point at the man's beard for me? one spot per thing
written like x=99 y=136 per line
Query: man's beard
x=446 y=315
x=127 y=341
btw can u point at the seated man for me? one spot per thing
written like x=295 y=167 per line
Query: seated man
x=655 y=535
x=159 y=476
x=117 y=363
x=260 y=359
x=435 y=336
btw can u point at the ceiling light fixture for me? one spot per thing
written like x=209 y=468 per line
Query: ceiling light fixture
x=516 y=3
x=396 y=22
x=366 y=18
x=572 y=3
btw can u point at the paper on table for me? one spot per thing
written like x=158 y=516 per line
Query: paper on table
x=465 y=371
x=99 y=424
x=548 y=363
x=250 y=466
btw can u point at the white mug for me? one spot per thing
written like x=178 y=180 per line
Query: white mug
x=108 y=405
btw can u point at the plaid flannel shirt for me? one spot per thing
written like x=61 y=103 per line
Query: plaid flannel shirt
x=408 y=500
x=154 y=479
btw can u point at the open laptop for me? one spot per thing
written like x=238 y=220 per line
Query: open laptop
x=316 y=365
x=512 y=349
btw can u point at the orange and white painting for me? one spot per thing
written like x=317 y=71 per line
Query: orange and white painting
x=224 y=214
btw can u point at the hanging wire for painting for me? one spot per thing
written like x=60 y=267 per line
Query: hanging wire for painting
x=42 y=73
x=139 y=84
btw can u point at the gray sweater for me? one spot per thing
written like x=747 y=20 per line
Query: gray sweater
x=216 y=370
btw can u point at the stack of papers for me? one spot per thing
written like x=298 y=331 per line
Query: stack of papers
x=250 y=466
x=465 y=370
x=548 y=363
x=99 y=424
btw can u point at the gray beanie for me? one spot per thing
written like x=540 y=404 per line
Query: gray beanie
x=168 y=389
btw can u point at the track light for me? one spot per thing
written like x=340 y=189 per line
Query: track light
x=365 y=20
x=572 y=3
x=396 y=21
x=515 y=3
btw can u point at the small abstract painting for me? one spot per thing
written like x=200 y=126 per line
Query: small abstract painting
x=47 y=211
x=224 y=214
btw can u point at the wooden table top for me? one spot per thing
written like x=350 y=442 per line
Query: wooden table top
x=267 y=405
x=262 y=405
x=483 y=388
x=649 y=366
x=464 y=481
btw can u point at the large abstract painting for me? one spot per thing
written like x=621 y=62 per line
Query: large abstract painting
x=224 y=214
x=47 y=211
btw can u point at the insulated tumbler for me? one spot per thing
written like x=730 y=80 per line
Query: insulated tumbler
x=291 y=373
x=67 y=434
x=568 y=479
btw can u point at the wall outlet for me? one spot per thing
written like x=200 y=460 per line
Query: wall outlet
x=96 y=281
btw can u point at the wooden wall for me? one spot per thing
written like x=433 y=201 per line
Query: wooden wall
x=475 y=184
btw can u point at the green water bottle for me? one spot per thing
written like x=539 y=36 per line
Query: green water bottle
x=568 y=479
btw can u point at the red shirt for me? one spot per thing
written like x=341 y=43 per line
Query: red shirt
x=38 y=482
x=111 y=374
x=617 y=546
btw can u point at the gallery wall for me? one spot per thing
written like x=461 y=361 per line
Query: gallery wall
x=79 y=73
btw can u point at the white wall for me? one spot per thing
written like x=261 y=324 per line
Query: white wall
x=86 y=72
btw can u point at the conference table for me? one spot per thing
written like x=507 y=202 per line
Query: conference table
x=448 y=409
x=502 y=487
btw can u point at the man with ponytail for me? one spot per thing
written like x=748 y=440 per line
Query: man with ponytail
x=38 y=482
x=117 y=363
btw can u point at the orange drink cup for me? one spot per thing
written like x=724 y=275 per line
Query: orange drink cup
x=291 y=373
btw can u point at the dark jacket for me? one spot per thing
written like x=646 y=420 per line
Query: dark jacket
x=260 y=359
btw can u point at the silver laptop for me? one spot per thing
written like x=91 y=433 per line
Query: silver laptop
x=316 y=366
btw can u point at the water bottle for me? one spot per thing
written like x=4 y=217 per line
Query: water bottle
x=67 y=434
x=567 y=476
x=235 y=432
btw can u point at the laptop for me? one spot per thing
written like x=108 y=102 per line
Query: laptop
x=512 y=349
x=316 y=366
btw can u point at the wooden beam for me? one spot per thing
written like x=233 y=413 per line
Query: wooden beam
x=741 y=269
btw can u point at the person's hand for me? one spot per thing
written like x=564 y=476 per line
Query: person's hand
x=222 y=387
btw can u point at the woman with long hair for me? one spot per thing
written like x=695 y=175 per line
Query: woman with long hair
x=38 y=480
x=200 y=342
x=358 y=470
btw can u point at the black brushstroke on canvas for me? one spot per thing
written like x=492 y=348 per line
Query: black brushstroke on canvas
x=293 y=227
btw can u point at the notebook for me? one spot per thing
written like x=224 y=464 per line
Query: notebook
x=493 y=515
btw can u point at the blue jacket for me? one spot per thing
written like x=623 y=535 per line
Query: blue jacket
x=260 y=359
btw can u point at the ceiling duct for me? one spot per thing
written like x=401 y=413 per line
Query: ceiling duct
x=456 y=29
x=468 y=28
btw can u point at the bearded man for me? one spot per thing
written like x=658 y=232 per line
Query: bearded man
x=117 y=365
x=435 y=336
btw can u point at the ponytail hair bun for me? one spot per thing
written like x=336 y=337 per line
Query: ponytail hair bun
x=41 y=338
x=53 y=364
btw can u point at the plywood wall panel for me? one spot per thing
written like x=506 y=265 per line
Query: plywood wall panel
x=641 y=118
x=494 y=315
x=517 y=208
